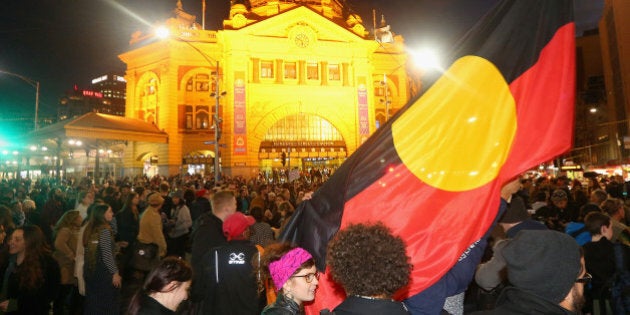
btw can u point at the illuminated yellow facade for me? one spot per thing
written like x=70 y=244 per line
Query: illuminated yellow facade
x=291 y=78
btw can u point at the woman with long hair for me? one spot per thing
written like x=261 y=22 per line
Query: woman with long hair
x=295 y=278
x=65 y=235
x=6 y=219
x=128 y=221
x=181 y=224
x=165 y=287
x=102 y=280
x=30 y=278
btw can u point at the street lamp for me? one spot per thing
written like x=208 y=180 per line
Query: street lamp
x=34 y=84
x=426 y=59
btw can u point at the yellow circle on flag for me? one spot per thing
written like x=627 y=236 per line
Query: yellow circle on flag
x=457 y=136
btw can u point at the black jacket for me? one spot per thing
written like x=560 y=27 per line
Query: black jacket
x=230 y=275
x=149 y=306
x=515 y=301
x=208 y=235
x=354 y=305
x=283 y=306
x=128 y=226
x=35 y=301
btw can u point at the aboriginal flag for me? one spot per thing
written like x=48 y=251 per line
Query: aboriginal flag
x=433 y=174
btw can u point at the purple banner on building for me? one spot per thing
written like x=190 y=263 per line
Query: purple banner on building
x=364 y=119
x=240 y=117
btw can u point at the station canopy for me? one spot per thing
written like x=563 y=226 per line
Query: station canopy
x=93 y=127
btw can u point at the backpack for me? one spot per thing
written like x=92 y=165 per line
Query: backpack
x=620 y=289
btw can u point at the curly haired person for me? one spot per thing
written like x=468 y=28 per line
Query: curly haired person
x=371 y=264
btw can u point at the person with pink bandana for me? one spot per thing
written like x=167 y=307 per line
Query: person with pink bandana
x=295 y=278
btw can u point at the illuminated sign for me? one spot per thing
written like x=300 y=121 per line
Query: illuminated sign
x=105 y=77
x=92 y=94
x=571 y=168
x=99 y=79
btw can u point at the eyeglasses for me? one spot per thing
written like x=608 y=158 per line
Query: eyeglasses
x=586 y=279
x=308 y=277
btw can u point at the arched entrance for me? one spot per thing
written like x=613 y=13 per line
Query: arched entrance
x=199 y=162
x=303 y=142
x=149 y=163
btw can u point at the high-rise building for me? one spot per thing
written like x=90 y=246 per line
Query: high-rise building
x=106 y=95
x=591 y=139
x=614 y=30
x=113 y=88
x=77 y=102
x=298 y=79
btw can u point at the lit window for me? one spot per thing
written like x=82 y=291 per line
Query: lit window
x=312 y=71
x=149 y=88
x=266 y=69
x=189 y=85
x=290 y=70
x=333 y=72
x=198 y=83
x=379 y=88
x=189 y=117
x=303 y=127
x=202 y=83
x=202 y=118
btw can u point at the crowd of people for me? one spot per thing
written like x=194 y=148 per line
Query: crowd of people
x=183 y=245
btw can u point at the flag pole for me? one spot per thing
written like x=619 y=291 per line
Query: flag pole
x=203 y=15
x=374 y=23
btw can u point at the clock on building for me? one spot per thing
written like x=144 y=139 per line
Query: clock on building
x=301 y=40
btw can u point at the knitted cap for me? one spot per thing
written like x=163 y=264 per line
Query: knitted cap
x=282 y=269
x=545 y=263
x=515 y=212
x=559 y=195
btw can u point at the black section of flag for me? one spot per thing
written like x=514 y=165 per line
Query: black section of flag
x=513 y=34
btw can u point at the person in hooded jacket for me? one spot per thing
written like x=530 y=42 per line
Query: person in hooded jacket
x=547 y=275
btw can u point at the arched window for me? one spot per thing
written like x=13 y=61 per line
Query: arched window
x=303 y=127
x=200 y=83
x=148 y=101
x=202 y=117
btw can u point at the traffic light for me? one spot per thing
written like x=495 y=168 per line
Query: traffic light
x=284 y=158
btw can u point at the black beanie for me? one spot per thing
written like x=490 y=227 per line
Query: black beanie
x=515 y=212
x=545 y=263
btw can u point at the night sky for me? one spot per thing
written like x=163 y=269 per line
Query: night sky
x=66 y=42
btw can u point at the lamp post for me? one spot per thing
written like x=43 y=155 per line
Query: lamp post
x=34 y=84
x=387 y=101
x=164 y=32
x=217 y=129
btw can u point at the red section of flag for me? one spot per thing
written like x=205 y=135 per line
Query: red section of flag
x=545 y=111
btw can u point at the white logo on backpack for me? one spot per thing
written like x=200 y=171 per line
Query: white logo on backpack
x=237 y=259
